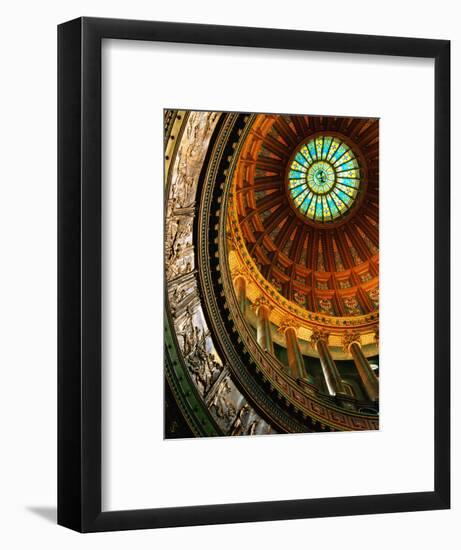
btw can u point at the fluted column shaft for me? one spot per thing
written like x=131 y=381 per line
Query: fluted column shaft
x=263 y=329
x=368 y=377
x=295 y=357
x=241 y=291
x=330 y=371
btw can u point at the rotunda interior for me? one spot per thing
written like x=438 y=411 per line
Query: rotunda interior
x=271 y=273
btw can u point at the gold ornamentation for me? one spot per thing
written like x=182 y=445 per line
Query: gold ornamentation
x=319 y=334
x=253 y=269
x=349 y=338
x=262 y=301
x=238 y=271
x=376 y=334
x=289 y=322
x=326 y=306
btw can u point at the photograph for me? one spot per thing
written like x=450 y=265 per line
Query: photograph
x=271 y=265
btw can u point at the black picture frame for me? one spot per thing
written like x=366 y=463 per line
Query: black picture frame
x=79 y=274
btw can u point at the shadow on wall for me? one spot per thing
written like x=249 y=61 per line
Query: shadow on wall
x=48 y=513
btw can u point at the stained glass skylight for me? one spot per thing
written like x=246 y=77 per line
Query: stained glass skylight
x=324 y=179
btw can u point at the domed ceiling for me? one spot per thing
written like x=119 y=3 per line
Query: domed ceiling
x=299 y=186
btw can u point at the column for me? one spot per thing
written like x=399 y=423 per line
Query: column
x=295 y=357
x=263 y=329
x=240 y=286
x=376 y=339
x=367 y=376
x=331 y=374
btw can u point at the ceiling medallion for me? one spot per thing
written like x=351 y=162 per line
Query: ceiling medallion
x=323 y=179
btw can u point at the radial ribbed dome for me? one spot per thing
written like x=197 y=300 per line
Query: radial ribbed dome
x=306 y=192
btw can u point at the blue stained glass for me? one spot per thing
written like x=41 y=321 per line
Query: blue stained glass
x=305 y=152
x=311 y=209
x=294 y=188
x=342 y=159
x=348 y=182
x=324 y=179
x=326 y=146
x=334 y=147
x=307 y=202
x=301 y=160
x=326 y=210
x=303 y=204
x=300 y=196
x=346 y=188
x=332 y=206
x=347 y=166
x=339 y=153
x=349 y=174
x=296 y=192
x=299 y=167
x=318 y=209
x=345 y=198
x=339 y=204
x=296 y=182
x=318 y=147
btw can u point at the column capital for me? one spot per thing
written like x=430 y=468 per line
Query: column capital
x=376 y=334
x=367 y=376
x=239 y=272
x=319 y=334
x=330 y=371
x=262 y=301
x=350 y=338
x=288 y=322
x=230 y=239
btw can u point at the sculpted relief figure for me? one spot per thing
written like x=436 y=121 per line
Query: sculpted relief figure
x=187 y=333
x=326 y=306
x=190 y=157
x=253 y=427
x=246 y=422
x=221 y=403
x=202 y=365
x=374 y=296
x=178 y=248
x=179 y=232
x=239 y=426
x=176 y=297
x=299 y=297
x=352 y=305
x=178 y=264
x=179 y=253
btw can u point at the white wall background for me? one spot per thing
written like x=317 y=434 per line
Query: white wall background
x=28 y=274
x=133 y=100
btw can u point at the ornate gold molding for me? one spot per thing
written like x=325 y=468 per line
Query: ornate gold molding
x=319 y=334
x=349 y=338
x=289 y=322
x=239 y=272
x=376 y=334
x=262 y=301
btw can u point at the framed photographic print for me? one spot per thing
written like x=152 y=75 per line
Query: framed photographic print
x=253 y=274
